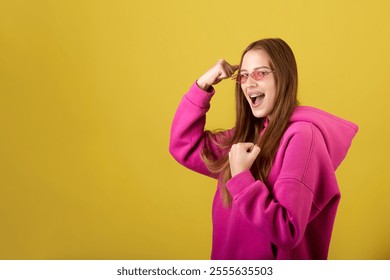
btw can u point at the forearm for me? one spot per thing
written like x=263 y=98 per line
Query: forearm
x=187 y=137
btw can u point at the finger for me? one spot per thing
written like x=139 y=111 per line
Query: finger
x=254 y=153
x=242 y=146
x=232 y=69
x=219 y=75
x=227 y=67
x=225 y=63
x=223 y=74
x=222 y=61
x=255 y=150
x=248 y=146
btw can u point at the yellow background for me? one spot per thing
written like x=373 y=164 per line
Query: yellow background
x=88 y=90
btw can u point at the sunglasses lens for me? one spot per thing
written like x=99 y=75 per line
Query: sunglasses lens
x=258 y=75
x=242 y=78
x=255 y=75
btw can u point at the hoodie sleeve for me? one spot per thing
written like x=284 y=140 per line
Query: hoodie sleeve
x=187 y=137
x=282 y=211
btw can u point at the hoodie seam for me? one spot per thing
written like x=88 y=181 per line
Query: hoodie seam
x=197 y=105
x=304 y=184
x=330 y=116
x=310 y=153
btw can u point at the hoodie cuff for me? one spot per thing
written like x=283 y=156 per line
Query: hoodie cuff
x=239 y=182
x=200 y=97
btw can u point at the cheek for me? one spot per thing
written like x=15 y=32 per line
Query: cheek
x=272 y=90
x=271 y=87
x=272 y=96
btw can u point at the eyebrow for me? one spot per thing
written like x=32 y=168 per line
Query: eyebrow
x=257 y=68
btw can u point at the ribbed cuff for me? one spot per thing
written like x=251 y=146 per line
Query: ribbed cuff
x=239 y=182
x=200 y=97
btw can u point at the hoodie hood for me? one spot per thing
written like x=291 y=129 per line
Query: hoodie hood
x=337 y=132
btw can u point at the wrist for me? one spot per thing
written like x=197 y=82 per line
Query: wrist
x=238 y=171
x=202 y=85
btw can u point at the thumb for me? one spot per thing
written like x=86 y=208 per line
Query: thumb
x=248 y=146
x=255 y=151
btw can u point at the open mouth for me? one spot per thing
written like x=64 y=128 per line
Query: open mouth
x=257 y=99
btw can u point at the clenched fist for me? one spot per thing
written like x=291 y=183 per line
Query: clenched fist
x=221 y=70
x=242 y=156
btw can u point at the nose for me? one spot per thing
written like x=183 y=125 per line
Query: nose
x=250 y=82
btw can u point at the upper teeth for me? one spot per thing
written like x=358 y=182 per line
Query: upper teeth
x=256 y=95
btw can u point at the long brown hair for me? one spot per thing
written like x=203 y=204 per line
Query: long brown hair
x=248 y=127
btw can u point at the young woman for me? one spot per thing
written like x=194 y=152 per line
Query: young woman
x=277 y=192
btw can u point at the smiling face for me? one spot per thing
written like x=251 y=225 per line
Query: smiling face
x=261 y=95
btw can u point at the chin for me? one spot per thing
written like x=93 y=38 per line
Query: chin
x=259 y=114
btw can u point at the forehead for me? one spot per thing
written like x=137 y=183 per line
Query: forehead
x=255 y=59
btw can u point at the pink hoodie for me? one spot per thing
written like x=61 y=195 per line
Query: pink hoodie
x=291 y=215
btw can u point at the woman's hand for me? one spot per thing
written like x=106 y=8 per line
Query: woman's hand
x=221 y=70
x=242 y=156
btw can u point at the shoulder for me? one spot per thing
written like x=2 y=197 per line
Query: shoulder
x=301 y=141
x=302 y=153
x=302 y=130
